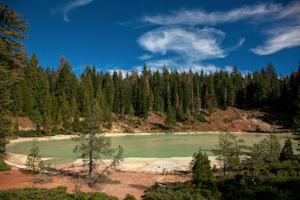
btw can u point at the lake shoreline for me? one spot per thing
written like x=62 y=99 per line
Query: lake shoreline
x=135 y=163
x=62 y=137
x=129 y=164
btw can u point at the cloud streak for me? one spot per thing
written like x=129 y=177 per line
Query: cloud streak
x=284 y=34
x=184 y=46
x=199 y=17
x=279 y=39
x=66 y=8
x=199 y=44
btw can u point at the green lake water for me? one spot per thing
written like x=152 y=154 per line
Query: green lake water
x=141 y=146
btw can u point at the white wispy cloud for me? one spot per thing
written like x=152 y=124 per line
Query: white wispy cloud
x=145 y=57
x=198 y=17
x=66 y=8
x=190 y=45
x=197 y=44
x=279 y=39
x=286 y=32
x=283 y=31
x=170 y=64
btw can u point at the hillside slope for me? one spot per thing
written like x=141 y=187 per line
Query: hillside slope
x=231 y=120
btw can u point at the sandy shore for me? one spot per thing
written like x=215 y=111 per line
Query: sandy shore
x=129 y=164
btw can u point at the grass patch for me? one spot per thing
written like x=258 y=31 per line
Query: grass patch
x=4 y=166
x=201 y=118
x=27 y=172
x=53 y=193
x=155 y=127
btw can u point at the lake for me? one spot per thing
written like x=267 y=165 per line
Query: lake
x=142 y=146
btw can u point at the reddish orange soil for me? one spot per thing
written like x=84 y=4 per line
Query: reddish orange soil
x=130 y=183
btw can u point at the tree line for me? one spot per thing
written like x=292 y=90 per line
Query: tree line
x=58 y=95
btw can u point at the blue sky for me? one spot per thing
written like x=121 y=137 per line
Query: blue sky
x=118 y=34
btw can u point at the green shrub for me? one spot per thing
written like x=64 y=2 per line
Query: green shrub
x=181 y=118
x=201 y=169
x=180 y=190
x=155 y=127
x=4 y=166
x=129 y=197
x=30 y=133
x=53 y=193
x=60 y=132
x=276 y=181
x=139 y=122
x=201 y=118
x=144 y=116
x=36 y=117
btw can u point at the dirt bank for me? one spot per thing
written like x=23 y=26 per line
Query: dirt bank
x=130 y=183
x=230 y=120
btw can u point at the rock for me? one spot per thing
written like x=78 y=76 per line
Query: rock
x=263 y=128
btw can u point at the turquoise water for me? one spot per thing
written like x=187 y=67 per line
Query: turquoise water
x=143 y=146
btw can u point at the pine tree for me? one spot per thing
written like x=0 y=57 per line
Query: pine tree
x=131 y=111
x=89 y=87
x=77 y=124
x=27 y=97
x=212 y=103
x=275 y=92
x=264 y=87
x=12 y=51
x=34 y=160
x=64 y=80
x=229 y=151
x=54 y=108
x=225 y=105
x=66 y=123
x=38 y=130
x=16 y=96
x=47 y=107
x=73 y=106
x=287 y=151
x=170 y=119
x=94 y=144
x=59 y=117
x=296 y=119
x=30 y=72
x=151 y=100
x=237 y=81
x=47 y=122
x=200 y=166
x=16 y=126
x=5 y=119
x=144 y=96
x=41 y=87
x=100 y=98
x=273 y=148
x=109 y=90
x=123 y=112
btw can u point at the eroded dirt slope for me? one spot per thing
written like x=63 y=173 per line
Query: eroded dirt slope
x=231 y=120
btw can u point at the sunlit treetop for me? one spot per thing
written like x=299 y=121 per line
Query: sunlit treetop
x=12 y=53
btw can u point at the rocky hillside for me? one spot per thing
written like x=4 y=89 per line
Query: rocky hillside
x=231 y=120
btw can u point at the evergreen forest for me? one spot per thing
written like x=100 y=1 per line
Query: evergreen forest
x=58 y=95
